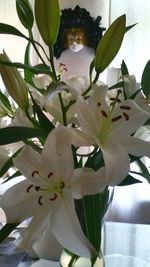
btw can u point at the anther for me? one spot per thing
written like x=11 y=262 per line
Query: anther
x=98 y=104
x=53 y=198
x=104 y=113
x=116 y=118
x=126 y=116
x=39 y=200
x=34 y=172
x=62 y=184
x=115 y=99
x=50 y=174
x=29 y=187
x=37 y=188
x=125 y=107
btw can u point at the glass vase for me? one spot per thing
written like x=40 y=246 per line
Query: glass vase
x=68 y=260
x=92 y=212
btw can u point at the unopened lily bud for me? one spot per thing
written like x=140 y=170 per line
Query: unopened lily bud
x=14 y=83
x=47 y=14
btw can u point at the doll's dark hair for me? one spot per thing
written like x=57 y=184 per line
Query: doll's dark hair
x=78 y=18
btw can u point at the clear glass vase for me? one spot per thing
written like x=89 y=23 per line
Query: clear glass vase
x=68 y=260
x=95 y=214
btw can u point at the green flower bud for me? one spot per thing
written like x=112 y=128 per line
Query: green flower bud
x=47 y=15
x=14 y=83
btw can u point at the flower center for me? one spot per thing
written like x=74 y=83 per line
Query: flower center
x=53 y=189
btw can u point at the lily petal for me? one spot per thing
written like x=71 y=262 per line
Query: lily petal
x=88 y=182
x=17 y=204
x=58 y=154
x=28 y=162
x=89 y=125
x=34 y=231
x=137 y=147
x=67 y=230
x=47 y=246
x=117 y=163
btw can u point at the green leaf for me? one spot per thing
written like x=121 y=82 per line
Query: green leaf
x=130 y=27
x=117 y=85
x=95 y=208
x=38 y=69
x=47 y=14
x=16 y=174
x=146 y=81
x=124 y=69
x=9 y=163
x=6 y=230
x=96 y=161
x=144 y=170
x=109 y=44
x=8 y=29
x=25 y=13
x=44 y=122
x=129 y=180
x=14 y=134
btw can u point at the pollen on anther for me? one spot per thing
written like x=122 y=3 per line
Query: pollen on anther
x=39 y=200
x=54 y=197
x=62 y=184
x=50 y=174
x=34 y=172
x=126 y=116
x=29 y=187
x=37 y=188
x=125 y=107
x=116 y=118
x=104 y=113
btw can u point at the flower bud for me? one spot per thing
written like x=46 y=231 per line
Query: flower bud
x=47 y=14
x=14 y=83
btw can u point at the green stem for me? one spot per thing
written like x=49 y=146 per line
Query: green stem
x=36 y=49
x=51 y=52
x=63 y=110
x=73 y=260
x=96 y=77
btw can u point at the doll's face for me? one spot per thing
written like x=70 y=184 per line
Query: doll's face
x=75 y=39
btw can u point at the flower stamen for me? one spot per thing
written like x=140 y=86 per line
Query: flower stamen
x=98 y=104
x=116 y=118
x=62 y=184
x=54 y=197
x=37 y=188
x=125 y=107
x=103 y=112
x=29 y=187
x=39 y=200
x=126 y=116
x=34 y=172
x=50 y=174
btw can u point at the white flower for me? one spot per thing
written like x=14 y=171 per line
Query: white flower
x=48 y=194
x=131 y=87
x=111 y=127
x=42 y=81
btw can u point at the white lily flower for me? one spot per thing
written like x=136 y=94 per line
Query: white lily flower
x=111 y=127
x=70 y=90
x=131 y=87
x=42 y=81
x=48 y=193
